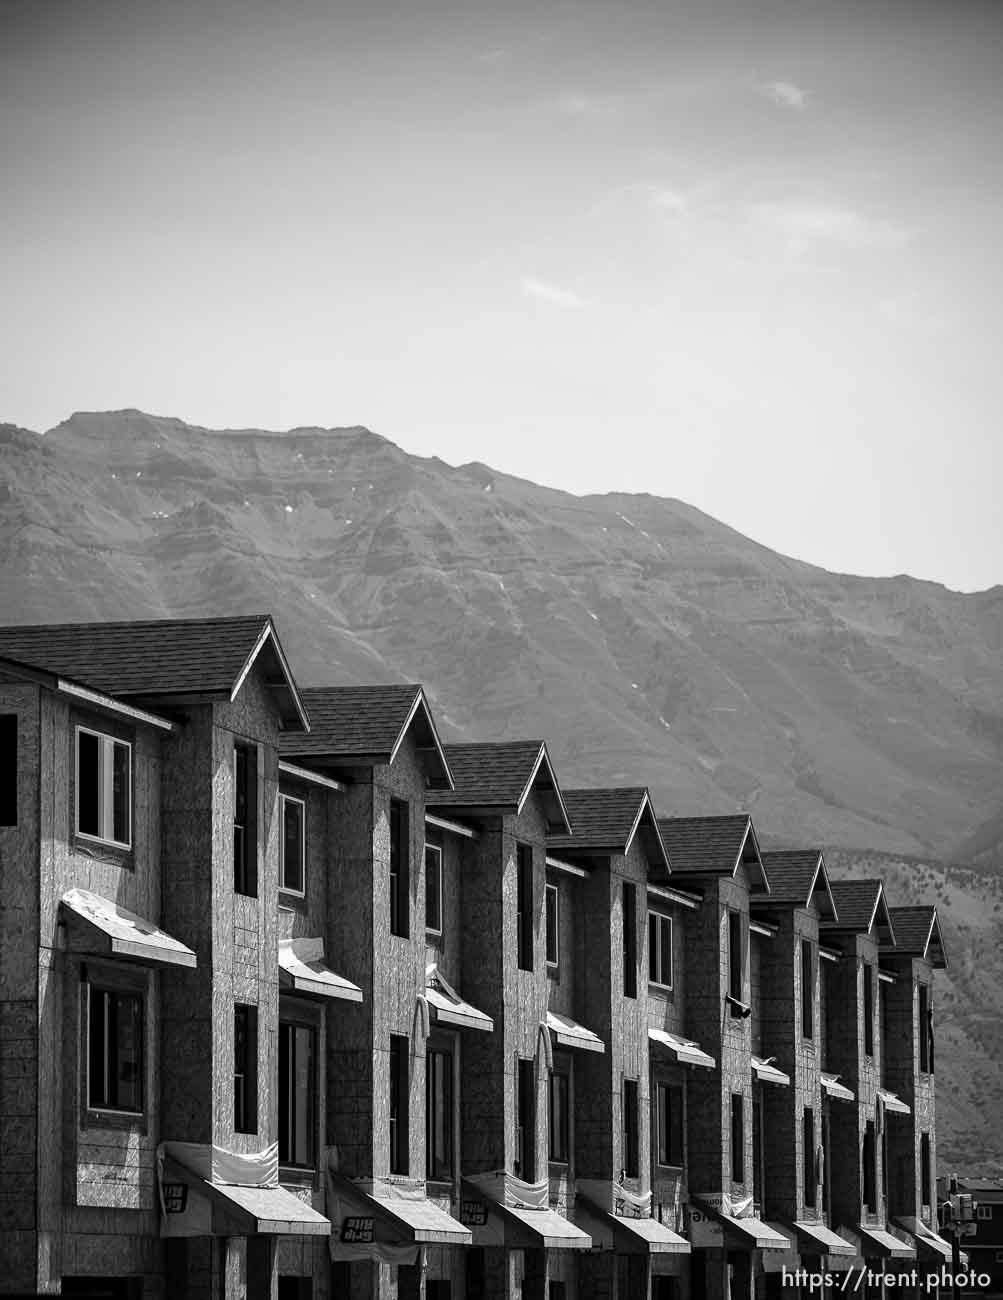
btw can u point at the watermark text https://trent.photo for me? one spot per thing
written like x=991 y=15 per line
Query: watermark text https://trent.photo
x=855 y=1279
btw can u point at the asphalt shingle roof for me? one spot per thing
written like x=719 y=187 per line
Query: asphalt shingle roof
x=912 y=927
x=360 y=721
x=160 y=657
x=855 y=901
x=488 y=775
x=791 y=873
x=600 y=818
x=704 y=844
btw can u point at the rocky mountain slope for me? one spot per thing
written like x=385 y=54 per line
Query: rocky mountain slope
x=647 y=641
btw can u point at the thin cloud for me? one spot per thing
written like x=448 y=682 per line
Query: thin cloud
x=808 y=224
x=551 y=293
x=785 y=94
x=666 y=200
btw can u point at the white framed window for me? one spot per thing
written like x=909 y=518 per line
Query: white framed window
x=660 y=949
x=985 y=1211
x=104 y=788
x=292 y=867
x=553 y=926
x=433 y=889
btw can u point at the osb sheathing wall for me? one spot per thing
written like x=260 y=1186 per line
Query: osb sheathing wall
x=95 y=1192
x=781 y=996
x=726 y=1037
x=19 y=1004
x=515 y=999
x=860 y=1073
x=916 y=1087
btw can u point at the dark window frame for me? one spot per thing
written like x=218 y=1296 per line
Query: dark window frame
x=107 y=1099
x=736 y=955
x=669 y=1125
x=738 y=1137
x=245 y=819
x=869 y=1159
x=868 y=1008
x=923 y=993
x=400 y=868
x=552 y=916
x=559 y=1115
x=524 y=906
x=104 y=772
x=809 y=1162
x=289 y=1094
x=629 y=897
x=525 y=1119
x=399 y=1105
x=9 y=766
x=660 y=923
x=440 y=1120
x=926 y=1170
x=808 y=967
x=284 y=801
x=433 y=891
x=245 y=1067
x=631 y=1101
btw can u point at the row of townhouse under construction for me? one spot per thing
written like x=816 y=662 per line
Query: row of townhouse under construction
x=298 y=1002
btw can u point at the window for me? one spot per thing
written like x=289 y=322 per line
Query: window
x=292 y=868
x=525 y=1120
x=925 y=1162
x=438 y=1289
x=104 y=788
x=924 y=1029
x=439 y=1114
x=825 y=1161
x=400 y=1155
x=669 y=1124
x=553 y=916
x=810 y=1163
x=524 y=905
x=985 y=1212
x=660 y=949
x=758 y=1151
x=8 y=765
x=558 y=1115
x=868 y=1009
x=629 y=940
x=245 y=1068
x=433 y=889
x=400 y=864
x=114 y=1050
x=245 y=820
x=737 y=1136
x=297 y=1094
x=870 y=1168
x=631 y=1133
x=736 y=963
x=807 y=989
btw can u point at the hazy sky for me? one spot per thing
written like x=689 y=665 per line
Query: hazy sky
x=746 y=255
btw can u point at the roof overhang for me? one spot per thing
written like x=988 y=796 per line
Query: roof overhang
x=278 y=677
x=766 y=1072
x=543 y=779
x=833 y=1088
x=298 y=773
x=302 y=969
x=98 y=927
x=619 y=1220
x=751 y=858
x=566 y=1032
x=522 y=1214
x=429 y=745
x=684 y=1050
x=391 y=1215
x=446 y=1007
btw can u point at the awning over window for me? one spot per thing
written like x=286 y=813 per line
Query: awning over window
x=380 y=1220
x=302 y=969
x=684 y=1050
x=929 y=1245
x=617 y=1220
x=566 y=1033
x=446 y=1007
x=767 y=1072
x=101 y=928
x=745 y=1232
x=892 y=1103
x=817 y=1239
x=518 y=1215
x=832 y=1086
x=206 y=1191
x=878 y=1243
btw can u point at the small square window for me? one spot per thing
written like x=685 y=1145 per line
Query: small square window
x=553 y=918
x=104 y=788
x=433 y=889
x=114 y=1050
x=292 y=868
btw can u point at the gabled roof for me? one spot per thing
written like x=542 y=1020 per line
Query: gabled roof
x=162 y=657
x=917 y=934
x=606 y=821
x=797 y=878
x=366 y=725
x=498 y=778
x=860 y=905
x=713 y=846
